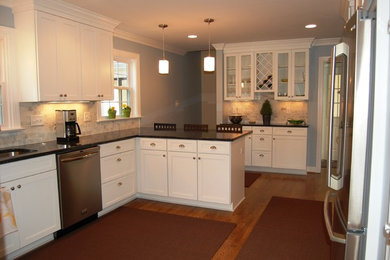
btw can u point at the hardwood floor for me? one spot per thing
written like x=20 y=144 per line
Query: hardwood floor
x=313 y=187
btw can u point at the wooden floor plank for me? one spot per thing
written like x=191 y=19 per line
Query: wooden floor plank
x=312 y=187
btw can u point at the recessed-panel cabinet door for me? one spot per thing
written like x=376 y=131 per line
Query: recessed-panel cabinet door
x=289 y=152
x=89 y=74
x=154 y=172
x=104 y=65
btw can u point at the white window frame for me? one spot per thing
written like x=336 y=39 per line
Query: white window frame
x=10 y=102
x=133 y=59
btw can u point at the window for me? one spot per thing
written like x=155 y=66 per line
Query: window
x=126 y=84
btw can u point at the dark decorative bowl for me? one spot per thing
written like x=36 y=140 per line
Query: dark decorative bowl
x=235 y=119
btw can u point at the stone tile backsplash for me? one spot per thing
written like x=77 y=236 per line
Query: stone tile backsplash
x=281 y=110
x=46 y=132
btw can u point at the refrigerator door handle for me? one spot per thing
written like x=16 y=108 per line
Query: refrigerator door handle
x=335 y=237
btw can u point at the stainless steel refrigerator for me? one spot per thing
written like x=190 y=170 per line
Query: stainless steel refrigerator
x=350 y=134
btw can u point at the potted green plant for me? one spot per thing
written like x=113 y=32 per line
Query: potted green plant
x=126 y=110
x=111 y=113
x=266 y=112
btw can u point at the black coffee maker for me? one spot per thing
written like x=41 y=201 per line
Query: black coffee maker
x=67 y=129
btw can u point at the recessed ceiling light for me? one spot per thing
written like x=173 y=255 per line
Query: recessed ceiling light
x=192 y=36
x=310 y=26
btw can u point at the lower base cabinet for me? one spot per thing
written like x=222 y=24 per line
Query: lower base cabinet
x=154 y=172
x=214 y=178
x=117 y=190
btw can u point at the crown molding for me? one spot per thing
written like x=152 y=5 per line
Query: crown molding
x=303 y=43
x=146 y=41
x=326 y=41
x=218 y=46
x=7 y=3
x=66 y=10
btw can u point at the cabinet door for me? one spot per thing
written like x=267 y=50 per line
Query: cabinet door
x=183 y=175
x=214 y=178
x=300 y=75
x=245 y=89
x=154 y=172
x=230 y=91
x=104 y=65
x=47 y=57
x=89 y=74
x=36 y=206
x=289 y=152
x=282 y=77
x=117 y=190
x=68 y=59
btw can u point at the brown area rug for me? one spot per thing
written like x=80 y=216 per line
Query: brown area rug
x=250 y=178
x=129 y=233
x=289 y=229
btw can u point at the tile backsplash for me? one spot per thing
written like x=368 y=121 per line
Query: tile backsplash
x=46 y=132
x=281 y=110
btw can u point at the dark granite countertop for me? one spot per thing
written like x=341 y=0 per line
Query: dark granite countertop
x=92 y=140
x=275 y=125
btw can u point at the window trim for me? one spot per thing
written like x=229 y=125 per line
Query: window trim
x=133 y=59
x=11 y=115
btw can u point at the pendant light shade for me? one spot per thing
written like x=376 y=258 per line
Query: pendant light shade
x=163 y=64
x=209 y=61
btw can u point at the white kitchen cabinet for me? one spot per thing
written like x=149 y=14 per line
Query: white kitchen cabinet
x=248 y=146
x=118 y=171
x=238 y=77
x=183 y=175
x=289 y=148
x=154 y=172
x=96 y=63
x=262 y=146
x=33 y=186
x=62 y=59
x=291 y=79
x=214 y=178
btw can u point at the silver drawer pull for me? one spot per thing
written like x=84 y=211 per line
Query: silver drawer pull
x=261 y=139
x=118 y=147
x=152 y=144
x=163 y=155
x=119 y=159
x=213 y=147
x=261 y=155
x=12 y=188
x=119 y=183
x=182 y=146
x=19 y=186
x=262 y=131
x=289 y=131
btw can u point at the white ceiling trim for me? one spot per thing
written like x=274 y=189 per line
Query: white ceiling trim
x=146 y=41
x=326 y=41
x=7 y=3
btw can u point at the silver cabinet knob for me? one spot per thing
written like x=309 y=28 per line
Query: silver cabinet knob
x=213 y=147
x=12 y=188
x=261 y=139
x=65 y=95
x=118 y=147
x=182 y=146
x=119 y=159
x=119 y=183
x=198 y=158
x=194 y=158
x=61 y=95
x=152 y=144
x=261 y=155
x=163 y=155
x=19 y=186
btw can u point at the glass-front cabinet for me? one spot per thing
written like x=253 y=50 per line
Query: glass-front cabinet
x=238 y=77
x=292 y=75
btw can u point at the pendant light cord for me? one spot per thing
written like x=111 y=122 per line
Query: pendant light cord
x=209 y=35
x=163 y=43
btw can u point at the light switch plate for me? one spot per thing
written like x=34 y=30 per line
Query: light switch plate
x=87 y=116
x=36 y=120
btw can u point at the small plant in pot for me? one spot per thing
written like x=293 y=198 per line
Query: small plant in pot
x=266 y=112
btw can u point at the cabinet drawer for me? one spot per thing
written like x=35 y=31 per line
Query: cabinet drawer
x=294 y=131
x=262 y=142
x=117 y=190
x=246 y=128
x=213 y=147
x=259 y=130
x=153 y=144
x=117 y=165
x=24 y=168
x=117 y=147
x=178 y=145
x=261 y=158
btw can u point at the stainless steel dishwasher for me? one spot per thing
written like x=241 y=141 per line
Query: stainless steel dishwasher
x=79 y=185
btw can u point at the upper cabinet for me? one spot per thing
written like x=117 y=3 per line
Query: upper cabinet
x=281 y=67
x=63 y=52
x=238 y=77
x=292 y=75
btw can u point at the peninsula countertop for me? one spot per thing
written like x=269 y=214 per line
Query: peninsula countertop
x=51 y=147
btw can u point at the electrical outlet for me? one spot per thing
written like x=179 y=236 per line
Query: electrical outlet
x=36 y=120
x=87 y=116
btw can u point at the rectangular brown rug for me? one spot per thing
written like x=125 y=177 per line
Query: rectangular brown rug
x=129 y=233
x=250 y=178
x=289 y=229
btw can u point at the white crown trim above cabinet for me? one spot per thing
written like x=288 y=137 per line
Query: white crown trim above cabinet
x=55 y=60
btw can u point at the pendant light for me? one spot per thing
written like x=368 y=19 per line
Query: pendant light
x=163 y=64
x=209 y=62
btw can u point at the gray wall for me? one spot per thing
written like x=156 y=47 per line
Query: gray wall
x=172 y=98
x=209 y=98
x=315 y=53
x=6 y=17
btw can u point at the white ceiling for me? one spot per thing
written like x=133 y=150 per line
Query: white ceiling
x=235 y=20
